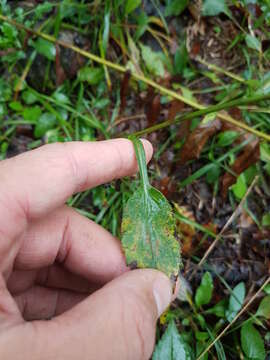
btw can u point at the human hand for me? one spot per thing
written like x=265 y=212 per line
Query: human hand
x=52 y=259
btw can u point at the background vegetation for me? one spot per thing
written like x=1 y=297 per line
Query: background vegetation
x=193 y=77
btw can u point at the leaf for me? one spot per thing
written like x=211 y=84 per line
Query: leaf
x=171 y=346
x=267 y=289
x=45 y=48
x=218 y=309
x=197 y=139
x=29 y=97
x=186 y=231
x=215 y=7
x=180 y=58
x=249 y=156
x=175 y=7
x=152 y=61
x=142 y=23
x=131 y=5
x=252 y=342
x=16 y=106
x=204 y=292
x=148 y=226
x=42 y=9
x=213 y=174
x=240 y=187
x=264 y=308
x=32 y=113
x=44 y=123
x=236 y=301
x=124 y=90
x=153 y=110
x=253 y=43
x=91 y=75
x=266 y=220
x=226 y=138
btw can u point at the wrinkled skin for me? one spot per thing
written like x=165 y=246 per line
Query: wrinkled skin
x=65 y=291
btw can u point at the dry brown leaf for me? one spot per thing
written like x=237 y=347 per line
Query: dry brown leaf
x=249 y=156
x=153 y=110
x=197 y=139
x=175 y=107
x=124 y=90
x=187 y=232
x=59 y=71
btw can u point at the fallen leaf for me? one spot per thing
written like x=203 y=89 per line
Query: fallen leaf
x=249 y=156
x=59 y=71
x=186 y=231
x=175 y=107
x=153 y=110
x=124 y=90
x=148 y=226
x=197 y=139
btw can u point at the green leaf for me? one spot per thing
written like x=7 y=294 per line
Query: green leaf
x=45 y=48
x=152 y=61
x=148 y=226
x=213 y=174
x=41 y=9
x=46 y=122
x=266 y=220
x=267 y=289
x=265 y=152
x=60 y=97
x=171 y=346
x=215 y=7
x=131 y=5
x=29 y=97
x=226 y=138
x=264 y=308
x=252 y=342
x=32 y=113
x=16 y=106
x=175 y=7
x=218 y=309
x=204 y=292
x=91 y=75
x=240 y=187
x=142 y=23
x=180 y=58
x=236 y=301
x=253 y=43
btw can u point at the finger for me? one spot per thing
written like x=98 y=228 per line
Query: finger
x=42 y=303
x=78 y=244
x=41 y=180
x=116 y=322
x=54 y=276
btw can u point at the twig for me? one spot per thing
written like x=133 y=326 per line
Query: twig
x=212 y=109
x=220 y=70
x=267 y=281
x=228 y=223
x=126 y=118
x=144 y=79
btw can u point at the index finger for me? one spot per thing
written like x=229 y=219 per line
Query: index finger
x=36 y=182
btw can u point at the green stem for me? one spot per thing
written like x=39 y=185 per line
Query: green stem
x=212 y=109
x=140 y=155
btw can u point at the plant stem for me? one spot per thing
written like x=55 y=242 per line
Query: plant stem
x=211 y=109
x=140 y=155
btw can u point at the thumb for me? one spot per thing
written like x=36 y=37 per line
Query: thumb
x=116 y=322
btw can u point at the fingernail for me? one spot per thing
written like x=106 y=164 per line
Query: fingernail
x=162 y=291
